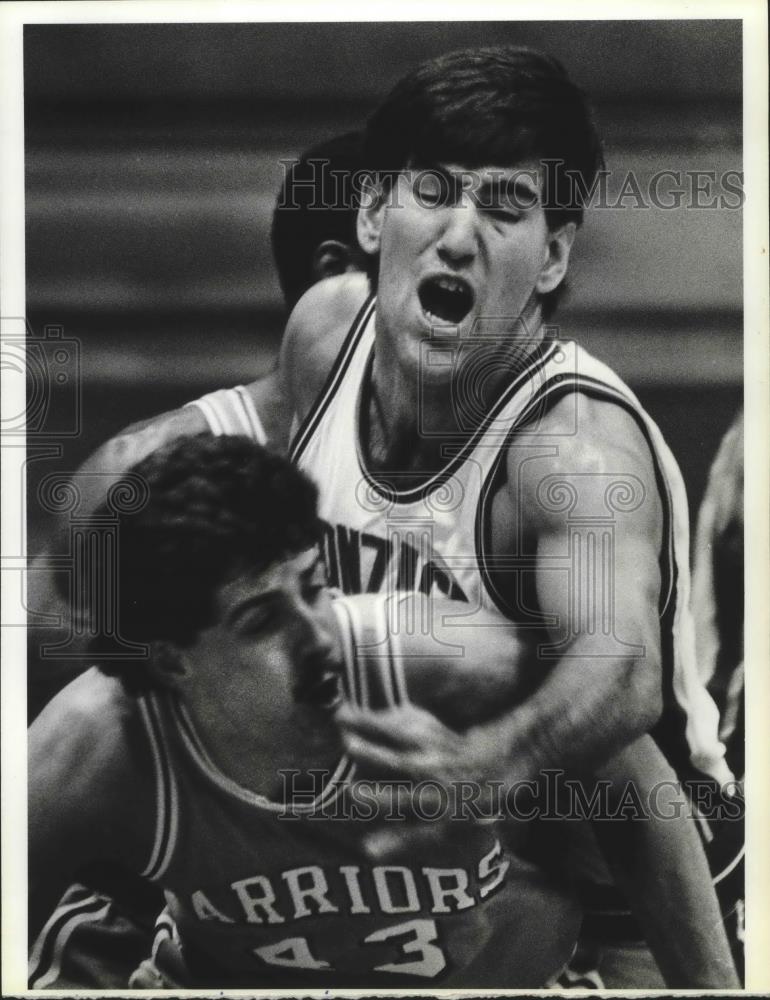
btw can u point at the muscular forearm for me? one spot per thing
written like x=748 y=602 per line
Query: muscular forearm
x=660 y=864
x=584 y=712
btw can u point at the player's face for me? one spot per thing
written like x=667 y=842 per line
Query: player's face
x=462 y=253
x=271 y=662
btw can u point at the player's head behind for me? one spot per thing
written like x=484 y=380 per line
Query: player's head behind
x=217 y=510
x=313 y=230
x=501 y=106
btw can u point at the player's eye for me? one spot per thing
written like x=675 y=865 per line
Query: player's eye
x=432 y=189
x=503 y=214
x=258 y=619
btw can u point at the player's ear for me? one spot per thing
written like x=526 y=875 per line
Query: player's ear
x=168 y=664
x=370 y=216
x=556 y=258
x=331 y=257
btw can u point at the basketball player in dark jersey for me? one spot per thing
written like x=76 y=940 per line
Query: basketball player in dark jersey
x=175 y=766
x=312 y=238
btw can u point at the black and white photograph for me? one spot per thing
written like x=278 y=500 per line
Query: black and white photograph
x=384 y=602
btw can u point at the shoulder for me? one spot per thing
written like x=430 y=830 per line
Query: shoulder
x=87 y=722
x=595 y=453
x=87 y=758
x=315 y=332
x=120 y=453
x=138 y=440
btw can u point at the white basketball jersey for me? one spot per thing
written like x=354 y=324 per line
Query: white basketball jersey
x=382 y=535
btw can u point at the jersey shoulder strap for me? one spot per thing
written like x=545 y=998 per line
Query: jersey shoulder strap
x=231 y=411
x=374 y=672
x=307 y=427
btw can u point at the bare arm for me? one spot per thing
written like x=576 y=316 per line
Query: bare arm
x=660 y=863
x=52 y=611
x=600 y=664
x=314 y=335
x=590 y=518
x=88 y=799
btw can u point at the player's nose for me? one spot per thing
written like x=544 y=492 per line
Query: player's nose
x=458 y=240
x=313 y=632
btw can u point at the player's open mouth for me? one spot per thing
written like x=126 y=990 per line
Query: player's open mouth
x=445 y=298
x=319 y=689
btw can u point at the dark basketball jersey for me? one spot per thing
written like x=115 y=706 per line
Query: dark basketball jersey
x=283 y=892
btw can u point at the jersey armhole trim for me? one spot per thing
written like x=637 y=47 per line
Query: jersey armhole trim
x=166 y=793
x=387 y=681
x=210 y=414
x=48 y=954
x=253 y=426
x=231 y=411
x=551 y=393
x=313 y=417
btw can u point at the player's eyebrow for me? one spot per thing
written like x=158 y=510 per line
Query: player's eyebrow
x=516 y=191
x=504 y=188
x=255 y=601
x=452 y=182
x=272 y=593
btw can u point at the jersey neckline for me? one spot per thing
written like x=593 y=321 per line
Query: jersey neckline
x=332 y=787
x=382 y=484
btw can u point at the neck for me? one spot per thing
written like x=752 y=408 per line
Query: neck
x=410 y=418
x=241 y=753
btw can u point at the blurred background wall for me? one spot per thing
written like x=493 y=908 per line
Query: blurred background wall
x=153 y=157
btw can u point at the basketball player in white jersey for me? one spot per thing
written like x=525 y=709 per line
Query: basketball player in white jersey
x=461 y=448
x=214 y=768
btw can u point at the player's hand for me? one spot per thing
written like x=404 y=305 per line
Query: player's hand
x=441 y=780
x=408 y=742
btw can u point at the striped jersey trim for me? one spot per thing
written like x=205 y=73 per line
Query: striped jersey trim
x=166 y=792
x=465 y=444
x=46 y=959
x=562 y=385
x=165 y=930
x=337 y=372
x=686 y=739
x=376 y=677
x=232 y=412
x=396 y=659
x=733 y=864
x=549 y=395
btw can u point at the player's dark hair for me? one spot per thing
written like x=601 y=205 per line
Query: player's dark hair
x=317 y=202
x=498 y=106
x=215 y=507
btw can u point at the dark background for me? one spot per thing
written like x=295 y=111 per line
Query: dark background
x=153 y=159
